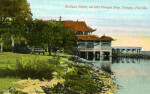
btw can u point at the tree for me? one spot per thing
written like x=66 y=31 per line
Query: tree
x=16 y=14
x=56 y=35
x=5 y=36
x=33 y=35
x=5 y=41
x=52 y=35
x=16 y=11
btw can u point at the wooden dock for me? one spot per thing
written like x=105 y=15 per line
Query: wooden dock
x=144 y=56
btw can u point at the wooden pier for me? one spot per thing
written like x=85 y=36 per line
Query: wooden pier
x=144 y=56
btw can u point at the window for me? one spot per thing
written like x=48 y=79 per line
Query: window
x=82 y=45
x=79 y=33
x=90 y=45
x=96 y=43
x=86 y=33
x=106 y=45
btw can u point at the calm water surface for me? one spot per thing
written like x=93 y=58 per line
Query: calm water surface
x=132 y=75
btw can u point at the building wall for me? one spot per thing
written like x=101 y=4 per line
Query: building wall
x=98 y=50
x=101 y=48
x=106 y=48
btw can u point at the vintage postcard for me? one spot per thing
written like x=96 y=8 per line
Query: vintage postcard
x=74 y=46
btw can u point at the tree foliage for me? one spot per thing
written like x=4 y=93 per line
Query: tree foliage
x=5 y=36
x=52 y=35
x=17 y=11
x=56 y=35
x=14 y=15
x=33 y=35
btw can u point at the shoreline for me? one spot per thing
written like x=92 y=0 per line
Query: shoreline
x=112 y=79
x=104 y=79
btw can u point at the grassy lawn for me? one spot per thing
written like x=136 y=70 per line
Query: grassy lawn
x=7 y=82
x=9 y=59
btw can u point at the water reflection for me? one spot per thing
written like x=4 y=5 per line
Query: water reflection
x=104 y=63
x=133 y=75
x=125 y=60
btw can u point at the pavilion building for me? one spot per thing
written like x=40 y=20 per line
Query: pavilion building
x=90 y=47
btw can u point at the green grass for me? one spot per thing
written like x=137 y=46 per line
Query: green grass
x=8 y=59
x=7 y=82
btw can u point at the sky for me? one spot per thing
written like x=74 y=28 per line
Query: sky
x=127 y=21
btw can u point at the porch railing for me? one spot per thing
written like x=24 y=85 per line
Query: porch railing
x=86 y=49
x=106 y=48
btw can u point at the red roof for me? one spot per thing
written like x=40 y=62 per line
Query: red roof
x=87 y=37
x=91 y=37
x=76 y=25
x=106 y=38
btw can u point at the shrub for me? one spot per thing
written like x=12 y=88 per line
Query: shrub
x=79 y=81
x=36 y=69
